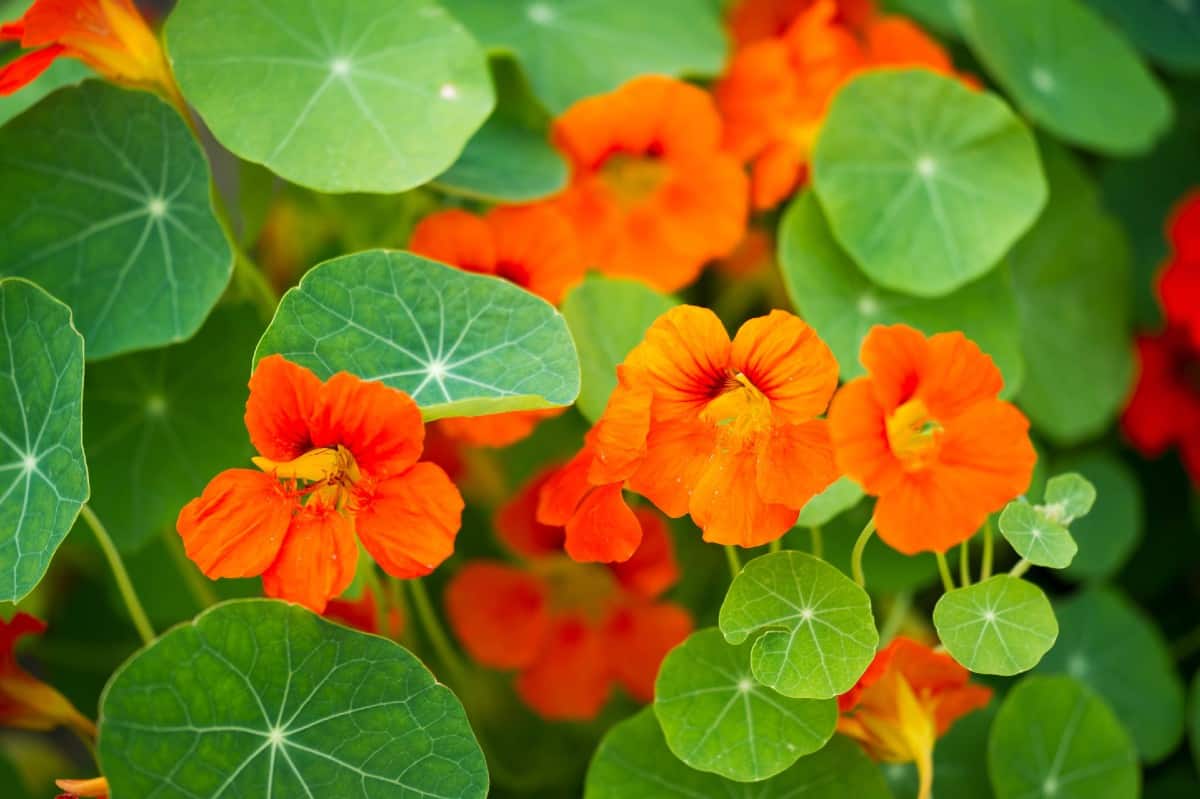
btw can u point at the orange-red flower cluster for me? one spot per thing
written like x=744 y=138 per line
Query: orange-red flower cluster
x=571 y=631
x=907 y=699
x=336 y=459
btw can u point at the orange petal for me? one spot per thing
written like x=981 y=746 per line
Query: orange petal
x=537 y=248
x=363 y=614
x=237 y=526
x=408 y=522
x=282 y=399
x=779 y=170
x=22 y=71
x=895 y=357
x=317 y=560
x=638 y=636
x=858 y=430
x=653 y=568
x=457 y=238
x=726 y=504
x=499 y=613
x=957 y=375
x=497 y=429
x=517 y=525
x=784 y=359
x=677 y=453
x=896 y=42
x=381 y=426
x=620 y=435
x=603 y=528
x=96 y=788
x=684 y=359
x=570 y=680
x=564 y=489
x=795 y=463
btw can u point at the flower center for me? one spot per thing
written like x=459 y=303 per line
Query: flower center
x=576 y=587
x=914 y=435
x=739 y=409
x=633 y=178
x=513 y=272
x=327 y=472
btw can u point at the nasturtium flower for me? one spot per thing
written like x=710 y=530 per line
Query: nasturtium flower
x=1179 y=283
x=1164 y=409
x=652 y=194
x=96 y=788
x=753 y=20
x=925 y=432
x=110 y=36
x=336 y=459
x=533 y=246
x=365 y=614
x=572 y=631
x=26 y=702
x=907 y=699
x=724 y=430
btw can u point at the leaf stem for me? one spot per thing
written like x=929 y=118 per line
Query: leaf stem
x=964 y=563
x=989 y=546
x=197 y=584
x=776 y=546
x=446 y=653
x=1022 y=566
x=371 y=583
x=735 y=561
x=124 y=584
x=818 y=544
x=901 y=604
x=944 y=570
x=856 y=556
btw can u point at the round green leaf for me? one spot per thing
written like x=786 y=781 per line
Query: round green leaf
x=842 y=304
x=158 y=425
x=1069 y=496
x=818 y=632
x=717 y=718
x=461 y=344
x=107 y=205
x=258 y=698
x=575 y=48
x=1053 y=739
x=1073 y=300
x=608 y=317
x=633 y=761
x=936 y=15
x=43 y=477
x=1168 y=31
x=1070 y=71
x=1109 y=534
x=926 y=183
x=347 y=95
x=1003 y=625
x=841 y=495
x=1037 y=537
x=505 y=162
x=1116 y=650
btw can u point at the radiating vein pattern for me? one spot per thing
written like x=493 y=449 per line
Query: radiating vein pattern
x=107 y=205
x=460 y=344
x=262 y=699
x=43 y=479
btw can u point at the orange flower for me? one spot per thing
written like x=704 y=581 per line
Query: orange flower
x=726 y=431
x=925 y=432
x=1179 y=282
x=26 y=702
x=907 y=699
x=753 y=20
x=363 y=614
x=110 y=36
x=96 y=788
x=652 y=195
x=572 y=631
x=336 y=458
x=533 y=246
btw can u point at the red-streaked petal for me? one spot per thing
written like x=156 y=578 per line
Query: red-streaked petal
x=237 y=526
x=499 y=613
x=381 y=426
x=408 y=523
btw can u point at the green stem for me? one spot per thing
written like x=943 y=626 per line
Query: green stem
x=400 y=604
x=124 y=584
x=735 y=561
x=944 y=570
x=989 y=546
x=964 y=563
x=818 y=544
x=901 y=604
x=197 y=584
x=371 y=583
x=436 y=633
x=856 y=556
x=776 y=546
x=1022 y=566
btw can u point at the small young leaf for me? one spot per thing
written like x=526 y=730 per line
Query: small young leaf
x=841 y=495
x=818 y=632
x=461 y=344
x=1003 y=625
x=1069 y=496
x=260 y=699
x=1054 y=739
x=43 y=477
x=717 y=718
x=633 y=761
x=1037 y=537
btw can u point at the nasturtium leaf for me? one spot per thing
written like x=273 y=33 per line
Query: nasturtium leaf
x=107 y=205
x=1069 y=496
x=461 y=344
x=258 y=698
x=1168 y=31
x=716 y=717
x=842 y=304
x=1070 y=71
x=1054 y=739
x=633 y=761
x=347 y=95
x=1002 y=625
x=1073 y=300
x=43 y=476
x=1109 y=534
x=817 y=631
x=608 y=317
x=1113 y=648
x=571 y=49
x=159 y=425
x=841 y=495
x=959 y=762
x=1035 y=536
x=925 y=182
x=937 y=15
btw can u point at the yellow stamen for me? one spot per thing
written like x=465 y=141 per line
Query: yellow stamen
x=914 y=436
x=633 y=178
x=740 y=410
x=314 y=466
